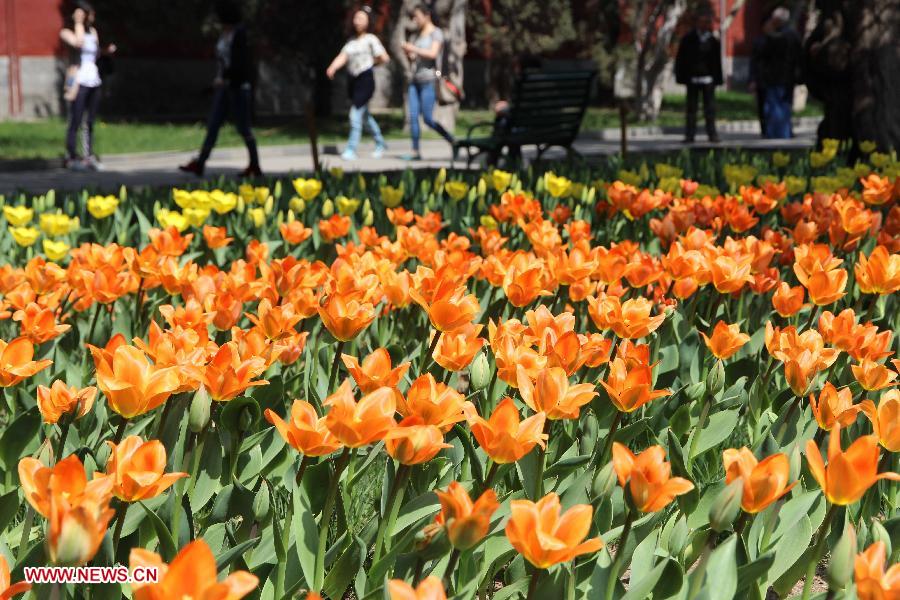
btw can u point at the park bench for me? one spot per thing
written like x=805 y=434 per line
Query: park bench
x=546 y=109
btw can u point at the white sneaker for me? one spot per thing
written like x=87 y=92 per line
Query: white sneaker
x=93 y=163
x=379 y=152
x=349 y=155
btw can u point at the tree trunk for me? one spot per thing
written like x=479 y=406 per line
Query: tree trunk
x=654 y=59
x=872 y=28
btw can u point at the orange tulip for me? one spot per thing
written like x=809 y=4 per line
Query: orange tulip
x=38 y=324
x=192 y=574
x=804 y=355
x=879 y=273
x=216 y=237
x=358 y=424
x=885 y=419
x=834 y=406
x=456 y=349
x=16 y=361
x=788 y=300
x=412 y=442
x=630 y=386
x=306 y=432
x=436 y=403
x=346 y=314
x=551 y=393
x=430 y=588
x=375 y=371
x=294 y=232
x=872 y=582
x=131 y=384
x=136 y=468
x=466 y=522
x=77 y=510
x=725 y=340
x=764 y=482
x=228 y=375
x=169 y=241
x=337 y=226
x=449 y=308
x=57 y=400
x=826 y=287
x=7 y=588
x=649 y=477
x=848 y=474
x=275 y=322
x=877 y=189
x=873 y=376
x=634 y=321
x=729 y=274
x=504 y=437
x=545 y=536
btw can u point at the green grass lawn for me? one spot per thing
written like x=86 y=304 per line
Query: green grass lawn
x=44 y=139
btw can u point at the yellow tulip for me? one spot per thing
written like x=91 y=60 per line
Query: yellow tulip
x=55 y=224
x=488 y=222
x=247 y=192
x=55 y=251
x=456 y=189
x=346 y=206
x=101 y=207
x=221 y=202
x=18 y=215
x=867 y=146
x=195 y=216
x=781 y=159
x=880 y=159
x=25 y=236
x=297 y=204
x=795 y=185
x=172 y=218
x=558 y=186
x=181 y=197
x=664 y=170
x=500 y=179
x=336 y=172
x=257 y=216
x=391 y=196
x=261 y=195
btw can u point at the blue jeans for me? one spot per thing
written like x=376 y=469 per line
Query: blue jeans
x=237 y=101
x=360 y=115
x=777 y=103
x=421 y=102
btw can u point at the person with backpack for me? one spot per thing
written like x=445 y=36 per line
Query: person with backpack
x=423 y=54
x=83 y=86
x=360 y=55
x=233 y=90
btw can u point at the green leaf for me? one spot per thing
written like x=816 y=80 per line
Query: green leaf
x=721 y=571
x=790 y=548
x=719 y=428
x=306 y=533
x=166 y=544
x=19 y=438
x=749 y=573
x=641 y=586
x=225 y=559
x=344 y=569
x=9 y=506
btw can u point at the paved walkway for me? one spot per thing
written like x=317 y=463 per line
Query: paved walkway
x=160 y=168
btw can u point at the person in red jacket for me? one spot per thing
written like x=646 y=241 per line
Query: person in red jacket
x=698 y=65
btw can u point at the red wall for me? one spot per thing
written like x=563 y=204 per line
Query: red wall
x=34 y=27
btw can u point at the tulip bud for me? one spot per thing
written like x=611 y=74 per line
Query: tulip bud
x=440 y=179
x=604 y=481
x=123 y=194
x=198 y=417
x=695 y=391
x=156 y=208
x=482 y=188
x=240 y=205
x=368 y=219
x=795 y=463
x=277 y=191
x=279 y=219
x=327 y=208
x=290 y=216
x=261 y=507
x=880 y=534
x=578 y=212
x=473 y=195
x=726 y=506
x=269 y=205
x=37 y=204
x=843 y=556
x=715 y=380
x=480 y=372
x=591 y=196
x=367 y=206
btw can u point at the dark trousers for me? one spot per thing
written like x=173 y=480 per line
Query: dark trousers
x=694 y=91
x=777 y=110
x=236 y=101
x=84 y=108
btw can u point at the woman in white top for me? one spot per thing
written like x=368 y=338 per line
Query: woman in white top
x=84 y=38
x=360 y=55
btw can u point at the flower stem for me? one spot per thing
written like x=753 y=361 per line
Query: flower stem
x=120 y=521
x=97 y=309
x=451 y=566
x=426 y=360
x=120 y=431
x=334 y=366
x=304 y=463
x=489 y=480
x=395 y=499
x=63 y=434
x=603 y=457
x=697 y=580
x=532 y=585
x=620 y=552
x=817 y=551
x=325 y=519
x=704 y=413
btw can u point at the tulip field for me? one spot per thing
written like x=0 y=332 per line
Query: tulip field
x=674 y=377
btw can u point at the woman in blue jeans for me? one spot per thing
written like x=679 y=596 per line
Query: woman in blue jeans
x=423 y=53
x=360 y=55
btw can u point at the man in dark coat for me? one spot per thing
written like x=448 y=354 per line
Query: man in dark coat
x=775 y=69
x=698 y=65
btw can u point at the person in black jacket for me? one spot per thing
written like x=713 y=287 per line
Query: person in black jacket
x=774 y=71
x=698 y=65
x=233 y=89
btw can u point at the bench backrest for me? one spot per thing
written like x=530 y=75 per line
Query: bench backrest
x=548 y=107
